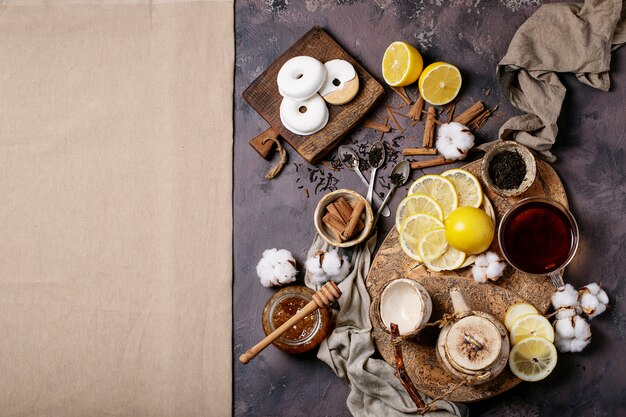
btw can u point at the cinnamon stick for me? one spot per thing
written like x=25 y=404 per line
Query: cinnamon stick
x=402 y=93
x=401 y=370
x=415 y=112
x=429 y=130
x=431 y=163
x=419 y=151
x=334 y=210
x=370 y=124
x=470 y=114
x=393 y=119
x=354 y=220
x=345 y=209
x=334 y=225
x=482 y=118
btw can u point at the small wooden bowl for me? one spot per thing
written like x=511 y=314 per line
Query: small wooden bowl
x=351 y=197
x=529 y=161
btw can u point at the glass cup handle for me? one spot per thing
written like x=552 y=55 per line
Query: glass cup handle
x=557 y=279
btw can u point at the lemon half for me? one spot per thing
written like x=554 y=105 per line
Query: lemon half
x=440 y=83
x=402 y=64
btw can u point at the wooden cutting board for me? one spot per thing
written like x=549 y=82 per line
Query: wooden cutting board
x=264 y=97
x=420 y=361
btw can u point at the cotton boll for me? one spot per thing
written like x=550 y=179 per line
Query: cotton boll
x=566 y=296
x=324 y=266
x=488 y=266
x=479 y=273
x=276 y=267
x=332 y=263
x=593 y=300
x=454 y=140
x=495 y=270
x=564 y=328
x=572 y=334
x=588 y=302
x=336 y=266
x=314 y=265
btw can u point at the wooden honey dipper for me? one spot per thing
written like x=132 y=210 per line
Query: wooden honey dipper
x=324 y=297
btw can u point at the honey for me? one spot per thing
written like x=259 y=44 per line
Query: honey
x=286 y=309
x=305 y=335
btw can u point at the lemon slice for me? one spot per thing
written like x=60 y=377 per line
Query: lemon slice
x=402 y=64
x=432 y=245
x=467 y=187
x=516 y=311
x=412 y=231
x=533 y=359
x=531 y=325
x=414 y=204
x=449 y=260
x=440 y=83
x=440 y=189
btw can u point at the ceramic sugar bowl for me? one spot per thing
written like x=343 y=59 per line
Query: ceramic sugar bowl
x=474 y=346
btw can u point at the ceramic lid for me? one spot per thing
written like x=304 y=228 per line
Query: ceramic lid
x=473 y=343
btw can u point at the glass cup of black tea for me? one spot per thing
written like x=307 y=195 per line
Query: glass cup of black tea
x=539 y=236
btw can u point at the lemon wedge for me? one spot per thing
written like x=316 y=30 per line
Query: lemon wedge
x=414 y=204
x=468 y=188
x=533 y=359
x=531 y=325
x=440 y=189
x=402 y=64
x=412 y=231
x=440 y=83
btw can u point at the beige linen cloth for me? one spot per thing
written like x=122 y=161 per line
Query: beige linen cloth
x=115 y=176
x=561 y=37
x=375 y=391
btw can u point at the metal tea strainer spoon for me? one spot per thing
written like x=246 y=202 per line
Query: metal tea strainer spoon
x=398 y=177
x=350 y=160
x=376 y=159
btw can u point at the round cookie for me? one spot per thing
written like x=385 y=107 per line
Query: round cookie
x=304 y=117
x=342 y=82
x=300 y=78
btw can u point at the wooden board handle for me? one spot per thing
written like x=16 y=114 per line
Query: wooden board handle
x=324 y=297
x=265 y=149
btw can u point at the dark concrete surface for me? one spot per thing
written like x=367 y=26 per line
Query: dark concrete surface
x=472 y=34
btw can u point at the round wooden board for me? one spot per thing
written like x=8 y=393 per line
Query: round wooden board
x=390 y=263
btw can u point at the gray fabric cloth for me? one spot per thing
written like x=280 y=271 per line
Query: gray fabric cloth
x=562 y=37
x=375 y=390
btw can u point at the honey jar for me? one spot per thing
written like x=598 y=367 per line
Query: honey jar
x=304 y=335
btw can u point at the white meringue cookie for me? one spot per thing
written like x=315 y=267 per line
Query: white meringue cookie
x=304 y=117
x=300 y=78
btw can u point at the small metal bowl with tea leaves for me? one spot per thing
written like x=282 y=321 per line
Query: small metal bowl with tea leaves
x=508 y=168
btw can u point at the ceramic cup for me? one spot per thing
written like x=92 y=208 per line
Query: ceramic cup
x=406 y=303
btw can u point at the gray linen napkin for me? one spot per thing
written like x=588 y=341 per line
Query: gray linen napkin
x=562 y=37
x=375 y=390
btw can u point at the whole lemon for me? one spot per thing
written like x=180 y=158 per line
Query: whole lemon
x=469 y=230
